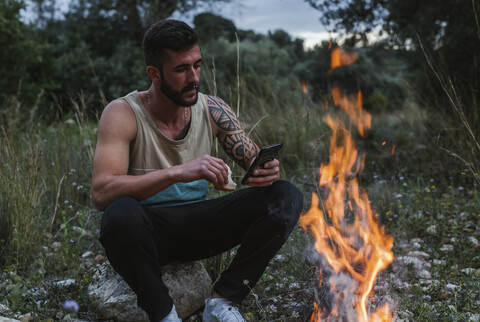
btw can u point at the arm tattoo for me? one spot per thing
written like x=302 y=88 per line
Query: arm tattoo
x=233 y=139
x=240 y=148
x=222 y=115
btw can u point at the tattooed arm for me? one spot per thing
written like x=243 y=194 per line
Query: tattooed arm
x=237 y=144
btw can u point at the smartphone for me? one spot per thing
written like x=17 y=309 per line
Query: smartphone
x=267 y=153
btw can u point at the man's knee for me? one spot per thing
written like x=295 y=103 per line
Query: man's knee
x=286 y=203
x=123 y=217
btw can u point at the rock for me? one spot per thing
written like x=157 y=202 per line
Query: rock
x=472 y=240
x=424 y=274
x=4 y=319
x=56 y=246
x=100 y=259
x=446 y=248
x=188 y=283
x=418 y=263
x=432 y=230
x=65 y=283
x=4 y=309
x=468 y=271
x=419 y=254
x=26 y=317
x=451 y=287
x=87 y=254
x=189 y=286
x=439 y=262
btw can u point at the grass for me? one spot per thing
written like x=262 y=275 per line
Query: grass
x=48 y=222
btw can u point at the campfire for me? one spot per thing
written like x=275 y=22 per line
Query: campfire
x=352 y=248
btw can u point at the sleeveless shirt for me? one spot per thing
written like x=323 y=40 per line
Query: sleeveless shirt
x=152 y=150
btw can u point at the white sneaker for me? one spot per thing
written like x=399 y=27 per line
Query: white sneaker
x=172 y=316
x=221 y=310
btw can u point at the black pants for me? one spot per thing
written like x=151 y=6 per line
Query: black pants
x=139 y=240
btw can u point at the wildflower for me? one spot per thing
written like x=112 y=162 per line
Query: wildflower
x=66 y=201
x=398 y=195
x=79 y=187
x=432 y=180
x=427 y=297
x=71 y=306
x=74 y=184
x=428 y=190
x=401 y=178
x=388 y=212
x=460 y=188
x=273 y=308
x=72 y=240
x=73 y=170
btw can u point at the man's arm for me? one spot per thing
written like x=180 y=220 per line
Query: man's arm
x=237 y=144
x=116 y=130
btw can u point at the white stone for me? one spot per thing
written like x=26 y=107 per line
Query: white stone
x=473 y=241
x=4 y=309
x=87 y=254
x=438 y=262
x=468 y=271
x=419 y=254
x=424 y=274
x=65 y=283
x=446 y=248
x=432 y=230
x=451 y=287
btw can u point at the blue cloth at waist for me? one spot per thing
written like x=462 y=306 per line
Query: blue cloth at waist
x=178 y=194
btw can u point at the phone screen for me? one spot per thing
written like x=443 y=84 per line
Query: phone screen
x=267 y=153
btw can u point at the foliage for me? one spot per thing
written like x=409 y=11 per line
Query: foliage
x=45 y=174
x=448 y=31
x=21 y=63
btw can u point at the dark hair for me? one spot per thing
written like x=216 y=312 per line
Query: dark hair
x=169 y=34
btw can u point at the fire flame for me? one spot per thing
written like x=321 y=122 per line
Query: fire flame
x=346 y=231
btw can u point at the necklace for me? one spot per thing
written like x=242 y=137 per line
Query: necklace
x=186 y=126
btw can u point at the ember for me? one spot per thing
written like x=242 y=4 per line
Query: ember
x=353 y=247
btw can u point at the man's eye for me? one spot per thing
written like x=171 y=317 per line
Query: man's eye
x=197 y=66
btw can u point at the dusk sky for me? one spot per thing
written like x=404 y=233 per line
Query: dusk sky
x=296 y=17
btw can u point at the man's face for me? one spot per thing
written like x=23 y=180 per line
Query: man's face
x=180 y=76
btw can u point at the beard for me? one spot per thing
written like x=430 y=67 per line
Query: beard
x=176 y=96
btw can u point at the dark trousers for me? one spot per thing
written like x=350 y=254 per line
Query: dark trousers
x=140 y=240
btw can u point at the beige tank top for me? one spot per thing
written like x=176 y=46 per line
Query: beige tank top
x=152 y=150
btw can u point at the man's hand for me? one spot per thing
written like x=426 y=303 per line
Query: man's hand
x=265 y=176
x=205 y=167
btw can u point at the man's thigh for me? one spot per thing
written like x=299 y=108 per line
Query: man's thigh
x=204 y=229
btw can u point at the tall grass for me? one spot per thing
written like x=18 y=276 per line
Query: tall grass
x=463 y=130
x=44 y=173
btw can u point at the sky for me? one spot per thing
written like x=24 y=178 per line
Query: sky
x=296 y=17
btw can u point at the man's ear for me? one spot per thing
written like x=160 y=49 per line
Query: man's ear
x=153 y=72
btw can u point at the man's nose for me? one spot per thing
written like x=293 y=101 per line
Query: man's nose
x=193 y=75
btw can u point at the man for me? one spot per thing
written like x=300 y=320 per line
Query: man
x=152 y=168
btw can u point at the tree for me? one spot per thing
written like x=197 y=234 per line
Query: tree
x=211 y=27
x=448 y=30
x=22 y=56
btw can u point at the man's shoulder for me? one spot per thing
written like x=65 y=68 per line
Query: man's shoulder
x=118 y=114
x=214 y=102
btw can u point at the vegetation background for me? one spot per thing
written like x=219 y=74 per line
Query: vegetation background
x=420 y=81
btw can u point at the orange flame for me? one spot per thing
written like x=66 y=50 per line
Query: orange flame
x=340 y=58
x=304 y=87
x=346 y=232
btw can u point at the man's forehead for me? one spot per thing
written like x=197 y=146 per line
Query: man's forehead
x=187 y=56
